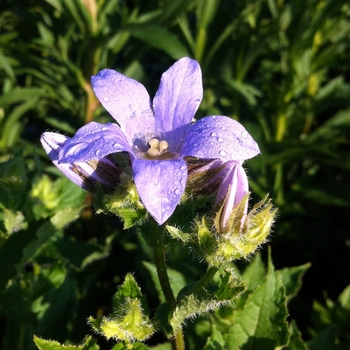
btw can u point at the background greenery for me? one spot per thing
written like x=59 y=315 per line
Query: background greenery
x=280 y=67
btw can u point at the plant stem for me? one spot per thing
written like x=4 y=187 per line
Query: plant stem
x=204 y=280
x=159 y=260
x=158 y=236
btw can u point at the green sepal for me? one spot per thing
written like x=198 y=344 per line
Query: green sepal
x=125 y=203
x=88 y=344
x=129 y=322
x=242 y=235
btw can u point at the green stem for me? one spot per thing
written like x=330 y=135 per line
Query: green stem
x=205 y=279
x=158 y=238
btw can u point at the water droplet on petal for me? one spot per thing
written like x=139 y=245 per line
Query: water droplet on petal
x=223 y=153
x=103 y=128
x=106 y=99
x=97 y=153
x=244 y=134
x=213 y=134
x=220 y=139
x=178 y=192
x=223 y=128
x=183 y=168
x=116 y=145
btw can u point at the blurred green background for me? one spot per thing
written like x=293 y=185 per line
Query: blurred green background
x=282 y=68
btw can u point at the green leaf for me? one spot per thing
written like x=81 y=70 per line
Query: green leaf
x=295 y=339
x=14 y=221
x=13 y=183
x=262 y=321
x=129 y=321
x=254 y=274
x=65 y=216
x=178 y=234
x=42 y=344
x=291 y=278
x=344 y=298
x=249 y=92
x=215 y=341
x=324 y=340
x=20 y=94
x=158 y=37
x=45 y=233
x=177 y=280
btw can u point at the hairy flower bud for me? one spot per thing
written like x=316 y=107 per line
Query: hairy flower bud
x=84 y=174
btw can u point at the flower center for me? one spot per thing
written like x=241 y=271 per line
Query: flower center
x=157 y=147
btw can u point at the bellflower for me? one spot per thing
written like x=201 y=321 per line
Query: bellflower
x=158 y=135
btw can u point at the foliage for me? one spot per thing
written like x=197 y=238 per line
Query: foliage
x=281 y=68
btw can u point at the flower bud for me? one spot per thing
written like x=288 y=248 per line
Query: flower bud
x=84 y=174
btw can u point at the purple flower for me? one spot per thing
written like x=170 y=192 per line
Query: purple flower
x=158 y=135
x=84 y=174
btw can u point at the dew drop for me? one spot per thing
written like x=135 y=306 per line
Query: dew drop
x=223 y=153
x=213 y=134
x=223 y=128
x=183 y=168
x=103 y=128
x=106 y=99
x=178 y=192
x=244 y=134
x=97 y=153
x=182 y=182
x=220 y=139
x=116 y=145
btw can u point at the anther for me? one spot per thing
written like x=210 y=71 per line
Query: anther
x=163 y=146
x=157 y=148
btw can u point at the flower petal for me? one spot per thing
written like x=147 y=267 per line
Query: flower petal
x=176 y=102
x=160 y=185
x=219 y=137
x=93 y=141
x=128 y=103
x=52 y=143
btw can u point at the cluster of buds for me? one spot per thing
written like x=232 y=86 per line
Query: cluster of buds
x=84 y=174
x=233 y=233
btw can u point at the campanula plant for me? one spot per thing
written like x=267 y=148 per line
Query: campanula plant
x=159 y=134
x=172 y=159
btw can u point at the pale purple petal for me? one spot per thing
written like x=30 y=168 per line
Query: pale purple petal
x=52 y=142
x=177 y=99
x=94 y=141
x=235 y=177
x=128 y=103
x=160 y=185
x=233 y=189
x=219 y=137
